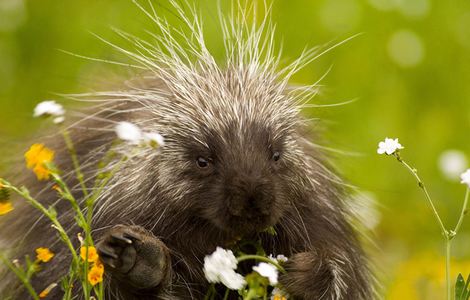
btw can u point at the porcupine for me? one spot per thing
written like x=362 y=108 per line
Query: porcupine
x=237 y=159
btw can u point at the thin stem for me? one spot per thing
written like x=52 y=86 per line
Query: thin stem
x=251 y=295
x=428 y=197
x=448 y=285
x=462 y=214
x=262 y=258
x=76 y=163
x=210 y=292
x=227 y=292
x=21 y=276
x=23 y=192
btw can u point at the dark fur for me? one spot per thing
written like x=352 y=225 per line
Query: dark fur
x=309 y=220
x=175 y=213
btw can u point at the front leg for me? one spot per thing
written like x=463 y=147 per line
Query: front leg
x=322 y=275
x=138 y=263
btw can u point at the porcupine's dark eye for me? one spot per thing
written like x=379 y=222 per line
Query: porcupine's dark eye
x=202 y=162
x=276 y=155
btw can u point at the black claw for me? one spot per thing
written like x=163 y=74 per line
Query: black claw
x=107 y=252
x=121 y=238
x=132 y=236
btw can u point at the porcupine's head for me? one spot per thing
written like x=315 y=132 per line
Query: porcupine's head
x=232 y=153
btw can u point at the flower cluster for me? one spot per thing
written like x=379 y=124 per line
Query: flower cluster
x=50 y=109
x=389 y=146
x=220 y=266
x=132 y=134
x=96 y=271
x=37 y=158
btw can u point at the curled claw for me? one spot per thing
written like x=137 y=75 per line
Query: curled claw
x=120 y=238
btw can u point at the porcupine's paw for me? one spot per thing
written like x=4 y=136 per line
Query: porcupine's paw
x=134 y=256
x=310 y=276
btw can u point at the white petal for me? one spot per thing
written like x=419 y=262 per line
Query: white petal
x=465 y=177
x=267 y=270
x=129 y=132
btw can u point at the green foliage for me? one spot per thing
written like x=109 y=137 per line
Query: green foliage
x=426 y=105
x=462 y=291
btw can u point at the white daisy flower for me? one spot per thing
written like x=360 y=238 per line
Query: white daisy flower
x=389 y=146
x=50 y=108
x=465 y=177
x=129 y=132
x=220 y=267
x=267 y=270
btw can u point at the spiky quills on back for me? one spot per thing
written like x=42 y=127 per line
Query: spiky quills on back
x=193 y=93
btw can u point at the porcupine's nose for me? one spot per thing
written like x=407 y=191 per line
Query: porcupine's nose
x=248 y=196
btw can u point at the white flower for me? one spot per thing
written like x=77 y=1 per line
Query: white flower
x=220 y=267
x=267 y=270
x=129 y=132
x=154 y=139
x=50 y=108
x=279 y=258
x=389 y=146
x=465 y=178
x=452 y=163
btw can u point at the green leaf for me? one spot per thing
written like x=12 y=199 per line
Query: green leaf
x=466 y=291
x=52 y=211
x=459 y=287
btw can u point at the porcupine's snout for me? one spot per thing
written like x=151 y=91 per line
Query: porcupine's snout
x=249 y=195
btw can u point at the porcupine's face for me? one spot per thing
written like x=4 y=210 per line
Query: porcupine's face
x=237 y=168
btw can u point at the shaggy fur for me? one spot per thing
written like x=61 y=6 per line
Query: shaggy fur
x=239 y=115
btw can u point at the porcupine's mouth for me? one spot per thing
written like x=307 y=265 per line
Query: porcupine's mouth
x=241 y=225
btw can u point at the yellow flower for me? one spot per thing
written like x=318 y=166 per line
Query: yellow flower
x=47 y=290
x=92 y=254
x=95 y=274
x=44 y=254
x=5 y=207
x=36 y=158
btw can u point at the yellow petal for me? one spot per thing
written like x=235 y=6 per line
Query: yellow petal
x=5 y=207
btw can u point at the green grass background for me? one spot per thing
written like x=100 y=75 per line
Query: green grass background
x=426 y=104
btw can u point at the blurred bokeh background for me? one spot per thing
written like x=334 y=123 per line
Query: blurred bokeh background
x=409 y=70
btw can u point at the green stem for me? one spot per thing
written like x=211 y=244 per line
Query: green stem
x=76 y=163
x=428 y=197
x=23 y=192
x=21 y=276
x=227 y=292
x=100 y=185
x=251 y=295
x=462 y=214
x=67 y=194
x=262 y=258
x=448 y=280
x=210 y=292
